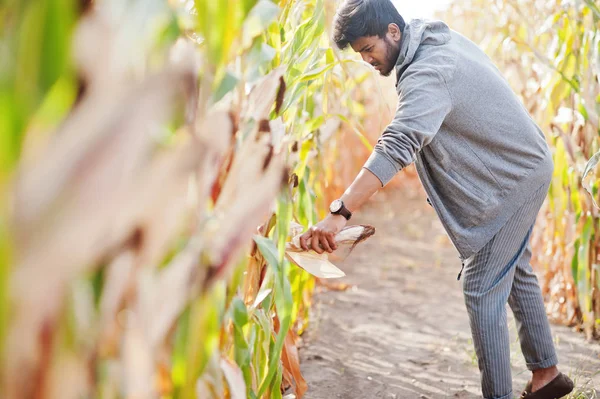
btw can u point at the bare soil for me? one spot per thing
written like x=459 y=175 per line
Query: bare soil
x=401 y=330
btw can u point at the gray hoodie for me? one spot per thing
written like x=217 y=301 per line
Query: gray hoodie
x=478 y=152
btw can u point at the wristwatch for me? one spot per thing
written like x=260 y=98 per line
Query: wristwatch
x=337 y=208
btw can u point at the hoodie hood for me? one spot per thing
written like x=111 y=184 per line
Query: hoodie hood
x=415 y=33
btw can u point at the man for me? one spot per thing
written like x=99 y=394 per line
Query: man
x=485 y=166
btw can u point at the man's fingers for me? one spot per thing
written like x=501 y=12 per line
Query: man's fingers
x=331 y=240
x=319 y=240
x=325 y=243
x=315 y=244
x=304 y=239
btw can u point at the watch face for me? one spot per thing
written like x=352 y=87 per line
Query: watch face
x=335 y=206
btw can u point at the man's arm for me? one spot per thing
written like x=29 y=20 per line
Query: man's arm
x=423 y=103
x=321 y=235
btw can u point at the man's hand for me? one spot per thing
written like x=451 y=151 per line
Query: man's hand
x=322 y=235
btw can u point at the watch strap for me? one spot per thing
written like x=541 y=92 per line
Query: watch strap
x=344 y=212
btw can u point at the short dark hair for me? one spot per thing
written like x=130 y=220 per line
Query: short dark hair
x=360 y=18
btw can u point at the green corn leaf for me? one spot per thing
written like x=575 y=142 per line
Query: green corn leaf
x=239 y=312
x=179 y=357
x=586 y=182
x=575 y=262
x=269 y=251
x=227 y=84
x=258 y=20
x=284 y=215
x=206 y=317
x=283 y=302
x=275 y=390
x=361 y=136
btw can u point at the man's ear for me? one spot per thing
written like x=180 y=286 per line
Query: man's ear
x=394 y=32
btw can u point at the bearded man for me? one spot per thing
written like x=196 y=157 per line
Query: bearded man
x=486 y=168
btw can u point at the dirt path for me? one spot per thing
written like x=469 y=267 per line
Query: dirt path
x=401 y=330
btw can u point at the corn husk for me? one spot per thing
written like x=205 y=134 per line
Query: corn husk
x=319 y=265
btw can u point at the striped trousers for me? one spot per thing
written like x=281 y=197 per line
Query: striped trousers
x=499 y=273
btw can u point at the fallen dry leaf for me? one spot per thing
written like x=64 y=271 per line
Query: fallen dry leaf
x=291 y=362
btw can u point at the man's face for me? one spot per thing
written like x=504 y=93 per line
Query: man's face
x=381 y=53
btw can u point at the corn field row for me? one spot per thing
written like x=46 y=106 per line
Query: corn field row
x=154 y=156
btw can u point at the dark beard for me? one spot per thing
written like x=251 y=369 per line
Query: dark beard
x=391 y=55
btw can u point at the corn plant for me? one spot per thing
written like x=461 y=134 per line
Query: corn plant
x=154 y=157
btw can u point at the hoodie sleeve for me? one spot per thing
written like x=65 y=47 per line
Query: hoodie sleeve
x=423 y=103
